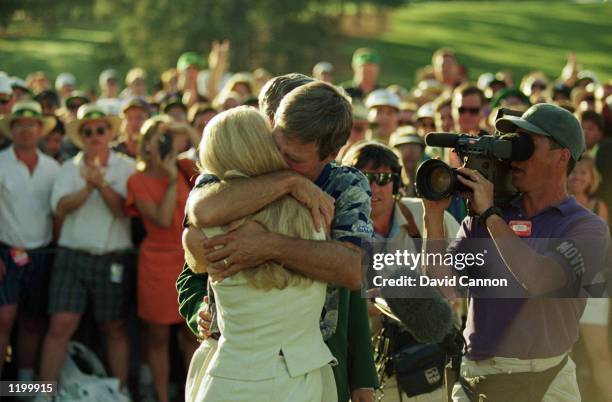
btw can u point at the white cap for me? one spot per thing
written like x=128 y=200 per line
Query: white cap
x=110 y=105
x=588 y=74
x=64 y=79
x=382 y=97
x=107 y=75
x=5 y=84
x=426 y=110
x=322 y=67
x=19 y=83
x=484 y=80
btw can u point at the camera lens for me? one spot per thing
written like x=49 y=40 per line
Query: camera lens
x=435 y=180
x=440 y=179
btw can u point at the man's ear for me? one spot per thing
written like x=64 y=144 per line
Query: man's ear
x=564 y=158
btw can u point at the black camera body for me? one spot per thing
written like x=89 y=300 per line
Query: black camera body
x=165 y=144
x=490 y=155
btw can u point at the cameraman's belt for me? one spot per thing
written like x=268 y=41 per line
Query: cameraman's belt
x=510 y=387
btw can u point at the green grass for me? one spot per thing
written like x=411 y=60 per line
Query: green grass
x=84 y=51
x=487 y=36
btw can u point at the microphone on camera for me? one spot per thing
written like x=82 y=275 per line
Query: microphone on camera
x=444 y=140
x=422 y=310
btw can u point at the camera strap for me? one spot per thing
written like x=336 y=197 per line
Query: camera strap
x=411 y=226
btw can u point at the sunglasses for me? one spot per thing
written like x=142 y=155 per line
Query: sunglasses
x=88 y=132
x=539 y=86
x=382 y=179
x=470 y=110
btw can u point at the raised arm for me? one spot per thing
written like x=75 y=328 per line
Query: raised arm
x=333 y=261
x=434 y=242
x=248 y=195
x=160 y=213
x=327 y=261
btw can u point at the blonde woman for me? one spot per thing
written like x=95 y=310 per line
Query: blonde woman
x=271 y=347
x=582 y=183
x=157 y=193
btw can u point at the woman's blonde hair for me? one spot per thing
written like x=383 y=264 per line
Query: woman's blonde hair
x=595 y=175
x=147 y=130
x=238 y=143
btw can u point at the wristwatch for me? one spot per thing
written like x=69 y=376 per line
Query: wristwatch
x=490 y=211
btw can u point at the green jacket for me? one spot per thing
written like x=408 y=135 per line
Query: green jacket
x=351 y=344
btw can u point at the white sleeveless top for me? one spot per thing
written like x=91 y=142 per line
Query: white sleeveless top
x=256 y=325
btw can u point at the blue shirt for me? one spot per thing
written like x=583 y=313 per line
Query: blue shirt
x=535 y=327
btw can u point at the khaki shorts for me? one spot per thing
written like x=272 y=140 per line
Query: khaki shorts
x=564 y=387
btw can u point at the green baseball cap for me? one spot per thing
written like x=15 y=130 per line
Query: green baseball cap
x=365 y=55
x=189 y=59
x=549 y=120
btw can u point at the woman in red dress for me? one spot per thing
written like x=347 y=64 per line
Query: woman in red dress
x=158 y=193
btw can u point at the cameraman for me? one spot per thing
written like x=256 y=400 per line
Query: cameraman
x=507 y=338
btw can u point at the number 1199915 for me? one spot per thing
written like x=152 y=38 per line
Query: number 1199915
x=27 y=388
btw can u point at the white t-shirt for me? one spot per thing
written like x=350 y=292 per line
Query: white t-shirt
x=25 y=200
x=93 y=228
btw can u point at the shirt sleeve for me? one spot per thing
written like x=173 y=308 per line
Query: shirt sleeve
x=352 y=221
x=581 y=253
x=191 y=289
x=205 y=179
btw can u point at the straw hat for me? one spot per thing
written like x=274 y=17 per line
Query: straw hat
x=89 y=112
x=27 y=109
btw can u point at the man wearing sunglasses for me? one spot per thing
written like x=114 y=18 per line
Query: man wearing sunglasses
x=90 y=265
x=26 y=180
x=397 y=222
x=467 y=109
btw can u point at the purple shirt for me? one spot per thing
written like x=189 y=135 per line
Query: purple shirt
x=536 y=327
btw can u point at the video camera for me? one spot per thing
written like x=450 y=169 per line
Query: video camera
x=489 y=154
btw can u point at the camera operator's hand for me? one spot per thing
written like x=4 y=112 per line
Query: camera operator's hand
x=481 y=197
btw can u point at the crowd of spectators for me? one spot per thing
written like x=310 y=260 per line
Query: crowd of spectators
x=93 y=187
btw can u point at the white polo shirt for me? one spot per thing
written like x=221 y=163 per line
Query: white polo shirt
x=25 y=200
x=93 y=228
